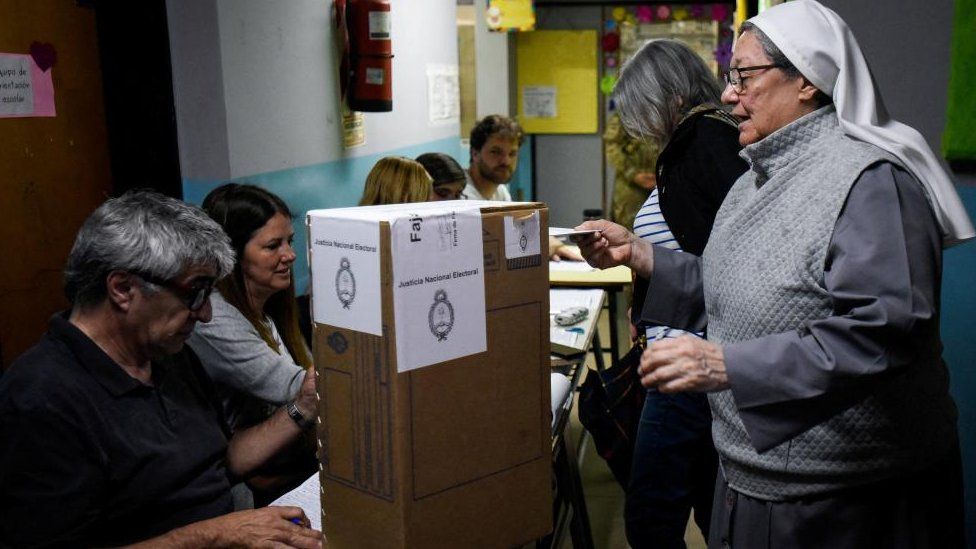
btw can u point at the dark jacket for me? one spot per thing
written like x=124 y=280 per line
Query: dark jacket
x=694 y=173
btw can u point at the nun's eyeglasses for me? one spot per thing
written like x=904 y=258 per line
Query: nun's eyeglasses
x=734 y=77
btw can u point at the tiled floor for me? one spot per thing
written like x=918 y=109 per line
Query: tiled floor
x=604 y=497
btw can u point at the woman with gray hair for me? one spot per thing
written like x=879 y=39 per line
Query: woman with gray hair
x=666 y=94
x=820 y=290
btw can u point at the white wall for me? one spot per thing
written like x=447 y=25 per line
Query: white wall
x=491 y=66
x=266 y=70
x=257 y=99
x=198 y=88
x=279 y=79
x=569 y=168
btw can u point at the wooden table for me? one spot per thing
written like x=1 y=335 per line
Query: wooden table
x=610 y=280
x=570 y=345
x=575 y=339
x=569 y=501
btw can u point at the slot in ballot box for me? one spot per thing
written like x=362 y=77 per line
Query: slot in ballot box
x=431 y=343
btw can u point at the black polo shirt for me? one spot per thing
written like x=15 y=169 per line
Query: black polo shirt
x=91 y=456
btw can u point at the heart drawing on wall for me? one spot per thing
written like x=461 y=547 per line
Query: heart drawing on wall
x=44 y=55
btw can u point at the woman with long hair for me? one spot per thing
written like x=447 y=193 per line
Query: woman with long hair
x=396 y=180
x=253 y=348
x=447 y=174
x=667 y=96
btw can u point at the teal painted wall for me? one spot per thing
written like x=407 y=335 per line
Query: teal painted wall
x=959 y=338
x=340 y=184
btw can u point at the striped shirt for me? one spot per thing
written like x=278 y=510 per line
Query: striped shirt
x=650 y=225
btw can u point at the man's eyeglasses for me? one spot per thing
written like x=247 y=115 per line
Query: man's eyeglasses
x=194 y=296
x=734 y=75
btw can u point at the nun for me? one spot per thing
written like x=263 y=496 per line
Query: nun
x=819 y=294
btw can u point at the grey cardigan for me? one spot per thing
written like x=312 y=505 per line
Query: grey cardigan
x=251 y=378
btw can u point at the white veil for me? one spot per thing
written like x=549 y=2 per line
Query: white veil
x=821 y=45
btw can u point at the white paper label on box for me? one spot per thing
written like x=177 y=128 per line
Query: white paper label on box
x=438 y=286
x=522 y=236
x=345 y=259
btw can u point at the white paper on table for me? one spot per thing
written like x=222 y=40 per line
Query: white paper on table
x=559 y=386
x=344 y=255
x=571 y=266
x=522 y=236
x=564 y=337
x=438 y=285
x=564 y=298
x=308 y=496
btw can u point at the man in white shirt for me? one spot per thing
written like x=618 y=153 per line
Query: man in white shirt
x=495 y=142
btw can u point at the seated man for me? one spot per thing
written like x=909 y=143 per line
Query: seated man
x=111 y=432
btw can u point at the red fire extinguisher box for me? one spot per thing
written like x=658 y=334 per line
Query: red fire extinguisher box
x=369 y=27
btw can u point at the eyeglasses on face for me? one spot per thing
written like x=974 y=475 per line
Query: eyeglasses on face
x=734 y=76
x=193 y=296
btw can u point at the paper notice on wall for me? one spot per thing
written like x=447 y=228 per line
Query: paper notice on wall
x=443 y=94
x=522 y=236
x=539 y=101
x=438 y=286
x=353 y=129
x=25 y=89
x=344 y=255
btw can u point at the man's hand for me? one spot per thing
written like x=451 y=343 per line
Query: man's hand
x=683 y=364
x=267 y=527
x=270 y=527
x=613 y=246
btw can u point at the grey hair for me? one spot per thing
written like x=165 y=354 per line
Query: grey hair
x=661 y=82
x=770 y=49
x=779 y=58
x=144 y=232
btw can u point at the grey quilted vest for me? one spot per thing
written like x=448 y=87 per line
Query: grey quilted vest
x=764 y=274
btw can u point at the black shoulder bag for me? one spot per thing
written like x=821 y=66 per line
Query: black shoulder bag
x=610 y=406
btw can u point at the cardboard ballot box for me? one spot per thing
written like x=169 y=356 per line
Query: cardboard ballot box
x=431 y=342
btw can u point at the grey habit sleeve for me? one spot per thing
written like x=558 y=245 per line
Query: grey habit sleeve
x=674 y=292
x=883 y=272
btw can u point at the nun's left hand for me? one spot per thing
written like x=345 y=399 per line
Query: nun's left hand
x=683 y=364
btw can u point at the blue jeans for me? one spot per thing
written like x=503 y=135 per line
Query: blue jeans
x=673 y=470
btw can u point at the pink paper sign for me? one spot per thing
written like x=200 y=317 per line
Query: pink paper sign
x=25 y=90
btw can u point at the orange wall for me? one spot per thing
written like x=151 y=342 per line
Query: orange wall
x=55 y=171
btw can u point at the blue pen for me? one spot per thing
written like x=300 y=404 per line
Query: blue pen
x=297 y=521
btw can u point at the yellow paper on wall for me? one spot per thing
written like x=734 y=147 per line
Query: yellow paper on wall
x=557 y=81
